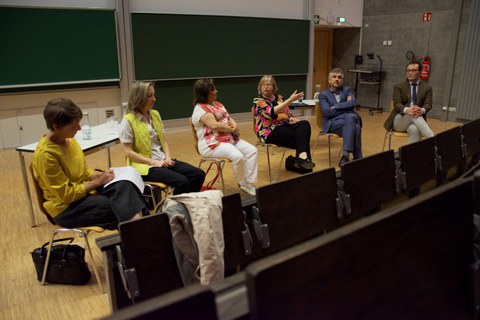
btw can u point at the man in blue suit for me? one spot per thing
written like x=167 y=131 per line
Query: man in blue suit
x=338 y=104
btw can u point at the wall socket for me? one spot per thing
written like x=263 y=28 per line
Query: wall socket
x=450 y=109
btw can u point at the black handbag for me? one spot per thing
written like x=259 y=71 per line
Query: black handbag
x=67 y=263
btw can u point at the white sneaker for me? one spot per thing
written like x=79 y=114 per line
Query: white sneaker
x=248 y=188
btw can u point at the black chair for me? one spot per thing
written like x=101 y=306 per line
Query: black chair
x=369 y=182
x=408 y=262
x=448 y=146
x=294 y=210
x=417 y=162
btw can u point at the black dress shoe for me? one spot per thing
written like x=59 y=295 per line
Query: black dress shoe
x=304 y=163
x=343 y=160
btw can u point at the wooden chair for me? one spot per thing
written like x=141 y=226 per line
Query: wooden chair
x=268 y=146
x=329 y=135
x=220 y=162
x=82 y=232
x=153 y=189
x=390 y=133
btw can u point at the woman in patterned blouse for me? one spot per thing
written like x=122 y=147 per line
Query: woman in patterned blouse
x=276 y=124
x=218 y=135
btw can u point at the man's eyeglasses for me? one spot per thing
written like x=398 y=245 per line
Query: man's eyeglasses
x=412 y=70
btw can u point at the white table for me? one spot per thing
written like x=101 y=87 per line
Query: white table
x=307 y=105
x=102 y=137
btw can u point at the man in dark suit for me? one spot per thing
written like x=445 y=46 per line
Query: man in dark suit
x=338 y=104
x=412 y=99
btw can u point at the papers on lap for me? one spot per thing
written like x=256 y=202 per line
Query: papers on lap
x=128 y=174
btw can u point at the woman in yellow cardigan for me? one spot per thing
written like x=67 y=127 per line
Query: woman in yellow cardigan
x=142 y=136
x=74 y=194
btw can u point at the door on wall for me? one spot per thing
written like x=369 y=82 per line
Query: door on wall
x=322 y=56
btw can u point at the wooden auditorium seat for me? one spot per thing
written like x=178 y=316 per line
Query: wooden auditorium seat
x=237 y=235
x=449 y=150
x=471 y=139
x=370 y=183
x=412 y=261
x=148 y=257
x=417 y=162
x=297 y=209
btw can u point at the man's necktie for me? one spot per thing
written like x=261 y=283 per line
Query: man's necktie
x=414 y=93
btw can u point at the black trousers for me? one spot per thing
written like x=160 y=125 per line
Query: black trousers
x=183 y=177
x=116 y=203
x=294 y=136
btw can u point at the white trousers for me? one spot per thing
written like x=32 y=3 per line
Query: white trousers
x=244 y=159
x=415 y=127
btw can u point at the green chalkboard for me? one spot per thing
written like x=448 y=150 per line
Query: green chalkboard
x=171 y=46
x=41 y=46
x=175 y=97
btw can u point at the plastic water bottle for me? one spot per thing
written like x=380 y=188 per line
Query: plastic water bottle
x=317 y=92
x=86 y=129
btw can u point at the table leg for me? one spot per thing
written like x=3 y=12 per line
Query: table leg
x=109 y=158
x=27 y=189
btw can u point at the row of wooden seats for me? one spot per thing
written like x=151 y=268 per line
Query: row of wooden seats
x=412 y=261
x=289 y=212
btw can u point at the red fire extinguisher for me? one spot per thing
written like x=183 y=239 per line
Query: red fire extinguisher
x=425 y=68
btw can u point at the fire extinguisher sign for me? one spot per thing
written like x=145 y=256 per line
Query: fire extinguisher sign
x=427 y=16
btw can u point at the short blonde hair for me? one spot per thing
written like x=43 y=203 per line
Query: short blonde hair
x=267 y=78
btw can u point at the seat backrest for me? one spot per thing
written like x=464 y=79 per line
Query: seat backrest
x=449 y=148
x=418 y=162
x=147 y=247
x=195 y=138
x=392 y=105
x=302 y=207
x=370 y=182
x=233 y=219
x=39 y=196
x=318 y=115
x=471 y=137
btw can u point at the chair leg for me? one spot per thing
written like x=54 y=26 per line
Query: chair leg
x=385 y=140
x=329 y=152
x=315 y=145
x=153 y=195
x=389 y=141
x=283 y=156
x=95 y=270
x=268 y=161
x=47 y=260
x=220 y=167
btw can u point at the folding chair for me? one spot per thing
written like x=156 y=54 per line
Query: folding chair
x=82 y=232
